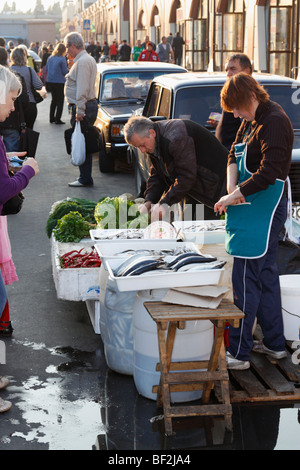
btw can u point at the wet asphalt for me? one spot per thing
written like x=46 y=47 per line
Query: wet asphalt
x=63 y=394
x=54 y=359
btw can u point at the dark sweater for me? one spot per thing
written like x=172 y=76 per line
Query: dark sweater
x=269 y=147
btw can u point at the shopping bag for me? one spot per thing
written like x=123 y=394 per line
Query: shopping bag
x=77 y=146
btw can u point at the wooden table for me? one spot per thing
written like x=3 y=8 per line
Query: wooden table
x=188 y=376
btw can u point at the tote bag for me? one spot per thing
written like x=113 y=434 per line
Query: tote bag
x=77 y=146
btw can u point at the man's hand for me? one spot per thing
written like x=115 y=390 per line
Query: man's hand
x=80 y=117
x=145 y=208
x=157 y=212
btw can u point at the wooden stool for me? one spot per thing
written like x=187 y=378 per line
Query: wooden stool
x=188 y=376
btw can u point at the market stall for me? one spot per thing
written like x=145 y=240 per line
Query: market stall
x=106 y=255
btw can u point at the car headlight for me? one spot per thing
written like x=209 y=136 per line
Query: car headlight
x=117 y=130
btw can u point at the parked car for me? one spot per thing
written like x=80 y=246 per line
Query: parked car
x=196 y=95
x=121 y=88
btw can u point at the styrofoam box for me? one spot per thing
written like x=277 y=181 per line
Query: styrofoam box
x=194 y=231
x=112 y=234
x=74 y=284
x=155 y=279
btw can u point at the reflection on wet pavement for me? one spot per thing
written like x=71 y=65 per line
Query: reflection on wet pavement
x=52 y=418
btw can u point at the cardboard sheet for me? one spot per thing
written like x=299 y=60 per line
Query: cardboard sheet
x=202 y=296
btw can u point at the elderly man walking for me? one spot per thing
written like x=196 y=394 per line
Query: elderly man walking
x=80 y=95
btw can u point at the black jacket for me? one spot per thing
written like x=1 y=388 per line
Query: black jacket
x=15 y=118
x=188 y=161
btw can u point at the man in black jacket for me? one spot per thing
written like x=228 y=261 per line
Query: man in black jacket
x=187 y=161
x=229 y=125
x=124 y=51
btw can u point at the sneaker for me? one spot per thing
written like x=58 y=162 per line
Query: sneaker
x=5 y=405
x=77 y=184
x=236 y=364
x=259 y=347
x=4 y=382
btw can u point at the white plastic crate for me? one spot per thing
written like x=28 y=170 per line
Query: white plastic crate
x=201 y=232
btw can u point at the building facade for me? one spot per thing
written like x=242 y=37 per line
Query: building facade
x=266 y=30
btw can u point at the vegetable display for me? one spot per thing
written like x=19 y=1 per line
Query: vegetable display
x=71 y=219
x=85 y=207
x=118 y=212
x=80 y=259
x=72 y=227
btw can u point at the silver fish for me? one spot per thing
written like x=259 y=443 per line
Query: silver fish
x=201 y=266
x=186 y=256
x=128 y=262
x=143 y=267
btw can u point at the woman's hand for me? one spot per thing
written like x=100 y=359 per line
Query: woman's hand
x=231 y=199
x=15 y=154
x=33 y=163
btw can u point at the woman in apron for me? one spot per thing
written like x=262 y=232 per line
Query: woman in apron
x=256 y=210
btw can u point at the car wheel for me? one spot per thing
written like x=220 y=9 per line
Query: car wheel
x=106 y=162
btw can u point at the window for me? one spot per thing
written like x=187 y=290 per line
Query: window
x=229 y=33
x=196 y=103
x=281 y=33
x=127 y=85
x=196 y=39
x=165 y=103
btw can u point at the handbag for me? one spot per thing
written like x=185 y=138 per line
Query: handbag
x=13 y=205
x=37 y=96
x=29 y=141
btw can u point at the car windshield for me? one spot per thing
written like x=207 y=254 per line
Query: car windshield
x=127 y=85
x=197 y=103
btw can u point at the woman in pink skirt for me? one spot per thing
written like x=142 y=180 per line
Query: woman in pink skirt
x=8 y=271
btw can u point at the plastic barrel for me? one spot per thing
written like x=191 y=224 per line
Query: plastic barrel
x=193 y=343
x=116 y=310
x=290 y=302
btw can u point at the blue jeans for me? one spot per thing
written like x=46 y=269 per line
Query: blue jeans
x=10 y=139
x=85 y=170
x=256 y=292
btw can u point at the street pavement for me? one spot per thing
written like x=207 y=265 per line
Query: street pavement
x=63 y=394
x=54 y=359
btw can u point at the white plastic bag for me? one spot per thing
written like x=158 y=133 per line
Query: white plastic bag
x=77 y=146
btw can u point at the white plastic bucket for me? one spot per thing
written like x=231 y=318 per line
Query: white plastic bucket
x=194 y=343
x=290 y=300
x=116 y=325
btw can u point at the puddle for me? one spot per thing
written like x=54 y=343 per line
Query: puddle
x=56 y=408
x=52 y=418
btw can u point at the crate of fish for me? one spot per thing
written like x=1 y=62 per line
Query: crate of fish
x=201 y=232
x=125 y=248
x=163 y=265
